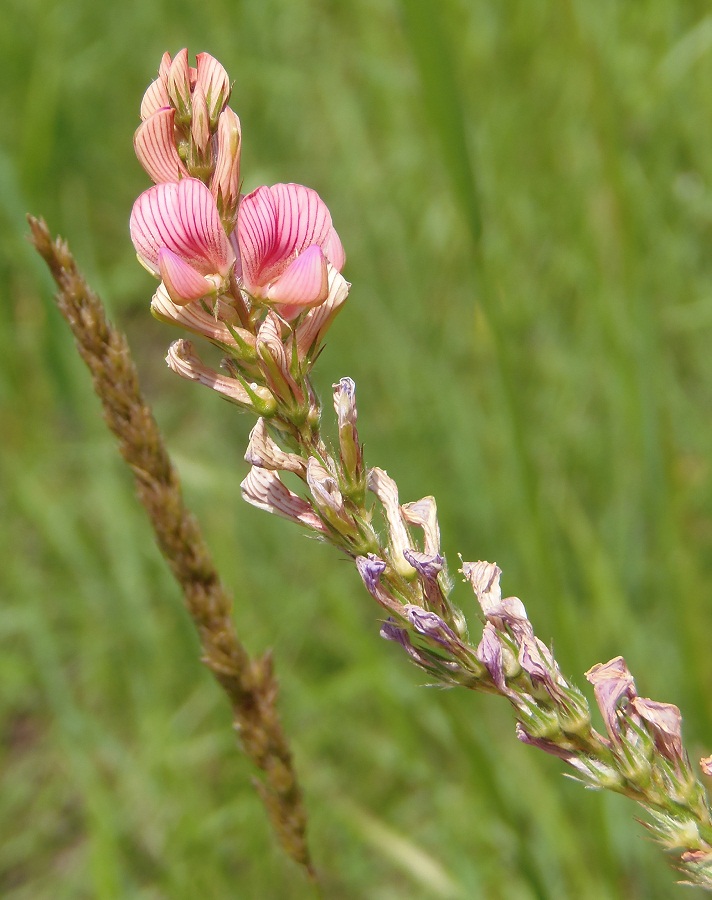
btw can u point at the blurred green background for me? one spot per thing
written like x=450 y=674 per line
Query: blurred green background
x=524 y=191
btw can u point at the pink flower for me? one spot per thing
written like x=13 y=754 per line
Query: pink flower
x=178 y=236
x=286 y=241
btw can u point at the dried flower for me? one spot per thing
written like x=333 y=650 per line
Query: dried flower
x=264 y=489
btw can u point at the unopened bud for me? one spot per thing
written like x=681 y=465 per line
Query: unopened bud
x=541 y=723
x=275 y=363
x=225 y=183
x=178 y=84
x=200 y=125
x=350 y=449
x=214 y=81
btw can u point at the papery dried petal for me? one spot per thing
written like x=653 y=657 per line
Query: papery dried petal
x=385 y=488
x=264 y=452
x=484 y=578
x=346 y=415
x=489 y=653
x=428 y=568
x=706 y=765
x=612 y=684
x=194 y=318
x=546 y=746
x=424 y=514
x=325 y=490
x=183 y=360
x=537 y=661
x=664 y=722
x=345 y=403
x=182 y=218
x=510 y=612
x=432 y=626
x=370 y=568
x=391 y=632
x=263 y=489
x=155 y=147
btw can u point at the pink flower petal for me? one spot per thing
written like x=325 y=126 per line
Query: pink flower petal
x=256 y=234
x=154 y=143
x=303 y=219
x=183 y=218
x=182 y=282
x=305 y=282
x=334 y=250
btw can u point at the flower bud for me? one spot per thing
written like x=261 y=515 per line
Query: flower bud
x=200 y=125
x=213 y=80
x=275 y=363
x=350 y=449
x=225 y=183
x=327 y=497
x=178 y=85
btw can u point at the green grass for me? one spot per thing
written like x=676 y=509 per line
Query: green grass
x=524 y=194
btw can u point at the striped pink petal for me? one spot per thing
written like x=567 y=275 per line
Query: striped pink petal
x=182 y=282
x=256 y=235
x=182 y=218
x=215 y=83
x=303 y=219
x=305 y=282
x=154 y=143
